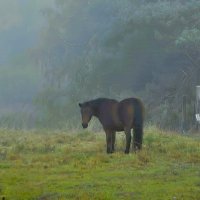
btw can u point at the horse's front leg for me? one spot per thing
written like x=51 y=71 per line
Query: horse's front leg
x=128 y=139
x=113 y=141
x=109 y=142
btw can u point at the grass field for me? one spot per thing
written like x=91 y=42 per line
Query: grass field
x=58 y=165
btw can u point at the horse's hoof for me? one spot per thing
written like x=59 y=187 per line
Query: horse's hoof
x=126 y=152
x=109 y=152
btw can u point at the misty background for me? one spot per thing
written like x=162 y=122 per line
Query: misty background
x=56 y=53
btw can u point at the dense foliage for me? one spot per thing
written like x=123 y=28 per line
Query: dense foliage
x=118 y=49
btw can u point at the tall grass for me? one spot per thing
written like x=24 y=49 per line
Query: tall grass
x=57 y=165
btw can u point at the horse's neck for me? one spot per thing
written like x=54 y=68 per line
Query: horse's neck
x=96 y=114
x=99 y=117
x=96 y=111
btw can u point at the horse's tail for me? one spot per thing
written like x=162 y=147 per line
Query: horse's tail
x=138 y=124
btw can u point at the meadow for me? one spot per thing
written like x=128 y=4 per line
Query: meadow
x=55 y=165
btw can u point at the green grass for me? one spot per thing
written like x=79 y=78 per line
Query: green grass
x=58 y=165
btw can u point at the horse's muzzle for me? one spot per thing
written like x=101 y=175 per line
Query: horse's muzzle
x=85 y=125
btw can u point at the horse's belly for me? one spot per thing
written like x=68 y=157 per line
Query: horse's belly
x=119 y=129
x=114 y=127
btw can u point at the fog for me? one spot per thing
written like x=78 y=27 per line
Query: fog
x=54 y=54
x=21 y=23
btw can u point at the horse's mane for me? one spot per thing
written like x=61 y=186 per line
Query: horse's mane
x=97 y=102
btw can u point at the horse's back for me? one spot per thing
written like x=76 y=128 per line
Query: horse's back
x=131 y=112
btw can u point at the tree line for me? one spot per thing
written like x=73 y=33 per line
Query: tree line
x=117 y=49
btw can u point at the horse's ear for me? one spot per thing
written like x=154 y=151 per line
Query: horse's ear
x=80 y=105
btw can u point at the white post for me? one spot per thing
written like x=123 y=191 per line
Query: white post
x=198 y=104
x=184 y=121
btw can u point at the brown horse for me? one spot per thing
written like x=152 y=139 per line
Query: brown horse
x=116 y=116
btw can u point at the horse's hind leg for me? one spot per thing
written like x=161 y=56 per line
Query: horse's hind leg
x=138 y=136
x=128 y=139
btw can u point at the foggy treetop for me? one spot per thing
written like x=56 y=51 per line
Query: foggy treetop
x=121 y=48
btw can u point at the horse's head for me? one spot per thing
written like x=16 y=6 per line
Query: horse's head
x=86 y=113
